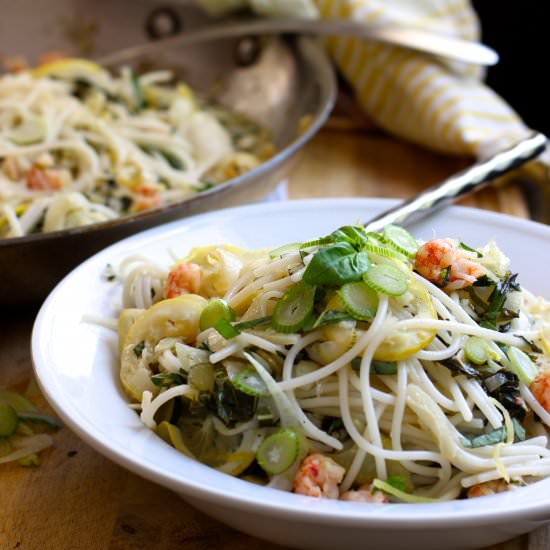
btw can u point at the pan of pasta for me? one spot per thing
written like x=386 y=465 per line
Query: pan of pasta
x=90 y=154
x=366 y=375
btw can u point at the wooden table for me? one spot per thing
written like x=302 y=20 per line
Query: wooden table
x=79 y=500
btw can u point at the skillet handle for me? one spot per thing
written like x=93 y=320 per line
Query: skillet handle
x=468 y=181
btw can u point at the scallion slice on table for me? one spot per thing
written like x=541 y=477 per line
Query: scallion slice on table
x=278 y=451
x=294 y=308
x=360 y=301
x=386 y=279
x=39 y=417
x=215 y=310
x=401 y=240
x=8 y=420
x=521 y=365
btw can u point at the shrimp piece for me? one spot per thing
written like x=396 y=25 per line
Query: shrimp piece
x=541 y=389
x=49 y=57
x=365 y=493
x=184 y=278
x=444 y=264
x=11 y=168
x=43 y=180
x=148 y=197
x=318 y=476
x=488 y=488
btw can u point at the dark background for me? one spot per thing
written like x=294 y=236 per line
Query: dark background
x=520 y=33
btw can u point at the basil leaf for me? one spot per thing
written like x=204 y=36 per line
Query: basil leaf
x=494 y=437
x=354 y=235
x=483 y=440
x=336 y=265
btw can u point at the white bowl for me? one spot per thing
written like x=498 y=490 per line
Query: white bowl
x=77 y=367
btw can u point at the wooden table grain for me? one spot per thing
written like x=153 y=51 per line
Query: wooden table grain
x=77 y=499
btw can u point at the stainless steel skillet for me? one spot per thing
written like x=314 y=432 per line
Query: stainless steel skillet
x=289 y=86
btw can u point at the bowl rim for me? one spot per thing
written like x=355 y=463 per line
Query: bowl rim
x=305 y=49
x=291 y=506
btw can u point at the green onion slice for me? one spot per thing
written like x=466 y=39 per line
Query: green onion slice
x=215 y=310
x=250 y=382
x=16 y=400
x=384 y=251
x=401 y=495
x=285 y=249
x=401 y=240
x=360 y=301
x=293 y=309
x=331 y=317
x=253 y=323
x=277 y=452
x=386 y=279
x=521 y=365
x=226 y=329
x=476 y=350
x=8 y=420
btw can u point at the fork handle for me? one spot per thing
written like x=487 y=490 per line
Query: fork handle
x=468 y=181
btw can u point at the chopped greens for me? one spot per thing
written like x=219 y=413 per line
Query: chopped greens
x=470 y=249
x=167 y=379
x=230 y=404
x=138 y=349
x=494 y=437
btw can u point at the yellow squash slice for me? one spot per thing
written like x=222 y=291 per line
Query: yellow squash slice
x=174 y=318
x=404 y=344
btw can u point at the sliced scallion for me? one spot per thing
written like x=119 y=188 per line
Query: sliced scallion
x=277 y=452
x=331 y=317
x=384 y=251
x=476 y=350
x=226 y=329
x=253 y=323
x=215 y=310
x=250 y=382
x=470 y=249
x=521 y=365
x=39 y=417
x=283 y=250
x=401 y=495
x=386 y=279
x=294 y=308
x=360 y=301
x=401 y=240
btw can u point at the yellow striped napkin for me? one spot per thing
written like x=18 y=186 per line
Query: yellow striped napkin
x=439 y=104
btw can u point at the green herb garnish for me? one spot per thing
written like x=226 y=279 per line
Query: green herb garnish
x=138 y=349
x=336 y=265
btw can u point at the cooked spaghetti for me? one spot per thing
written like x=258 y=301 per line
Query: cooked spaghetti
x=361 y=366
x=79 y=145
